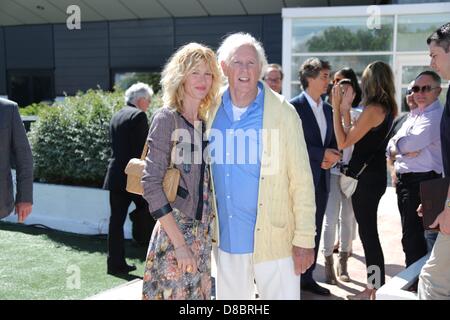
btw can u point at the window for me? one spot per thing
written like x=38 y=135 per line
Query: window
x=124 y=79
x=31 y=86
x=341 y=34
x=414 y=27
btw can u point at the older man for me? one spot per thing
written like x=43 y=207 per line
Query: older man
x=128 y=132
x=14 y=145
x=434 y=279
x=416 y=148
x=274 y=77
x=263 y=185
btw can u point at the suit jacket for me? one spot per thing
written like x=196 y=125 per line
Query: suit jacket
x=15 y=152
x=316 y=148
x=128 y=131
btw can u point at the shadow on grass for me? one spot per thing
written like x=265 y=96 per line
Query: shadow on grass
x=79 y=242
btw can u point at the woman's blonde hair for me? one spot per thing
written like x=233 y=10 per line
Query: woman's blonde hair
x=179 y=66
x=377 y=85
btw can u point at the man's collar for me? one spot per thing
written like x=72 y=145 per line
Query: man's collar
x=431 y=107
x=226 y=98
x=311 y=101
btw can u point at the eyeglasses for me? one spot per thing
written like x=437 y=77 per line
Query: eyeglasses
x=424 y=89
x=272 y=79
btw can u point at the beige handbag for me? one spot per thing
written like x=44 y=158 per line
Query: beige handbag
x=135 y=170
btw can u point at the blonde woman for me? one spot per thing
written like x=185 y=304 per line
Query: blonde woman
x=368 y=134
x=178 y=260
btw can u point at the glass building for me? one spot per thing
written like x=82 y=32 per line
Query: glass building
x=354 y=36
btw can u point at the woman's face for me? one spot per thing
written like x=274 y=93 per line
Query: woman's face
x=198 y=82
x=337 y=77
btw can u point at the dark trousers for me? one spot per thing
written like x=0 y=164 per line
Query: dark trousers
x=408 y=199
x=365 y=200
x=321 y=196
x=119 y=202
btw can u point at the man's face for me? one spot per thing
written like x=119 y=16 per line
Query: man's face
x=273 y=79
x=243 y=70
x=143 y=103
x=319 y=85
x=440 y=60
x=428 y=92
x=410 y=97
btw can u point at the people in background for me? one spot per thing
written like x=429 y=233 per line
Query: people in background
x=128 y=131
x=339 y=212
x=434 y=279
x=416 y=149
x=15 y=154
x=317 y=121
x=369 y=136
x=274 y=77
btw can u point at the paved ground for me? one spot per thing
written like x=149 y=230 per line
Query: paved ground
x=390 y=235
x=389 y=228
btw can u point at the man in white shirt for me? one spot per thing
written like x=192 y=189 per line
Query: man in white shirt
x=317 y=121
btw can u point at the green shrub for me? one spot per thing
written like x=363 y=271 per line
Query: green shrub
x=70 y=140
x=34 y=109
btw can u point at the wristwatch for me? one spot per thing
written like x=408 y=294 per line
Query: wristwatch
x=447 y=203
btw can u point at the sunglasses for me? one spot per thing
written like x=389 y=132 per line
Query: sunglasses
x=424 y=89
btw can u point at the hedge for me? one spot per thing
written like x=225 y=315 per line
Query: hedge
x=70 y=140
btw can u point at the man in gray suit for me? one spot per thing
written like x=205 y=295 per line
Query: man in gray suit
x=15 y=152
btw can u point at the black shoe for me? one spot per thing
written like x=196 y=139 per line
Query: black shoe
x=125 y=269
x=315 y=288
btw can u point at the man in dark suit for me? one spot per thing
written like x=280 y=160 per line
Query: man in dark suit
x=128 y=133
x=317 y=121
x=15 y=152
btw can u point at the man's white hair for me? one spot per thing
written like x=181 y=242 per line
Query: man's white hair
x=236 y=40
x=136 y=91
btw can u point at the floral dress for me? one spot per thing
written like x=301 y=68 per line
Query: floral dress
x=163 y=280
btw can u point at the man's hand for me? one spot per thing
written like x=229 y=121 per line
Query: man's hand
x=23 y=210
x=331 y=155
x=303 y=259
x=412 y=154
x=326 y=165
x=443 y=221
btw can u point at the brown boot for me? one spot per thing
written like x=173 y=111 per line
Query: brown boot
x=342 y=267
x=330 y=276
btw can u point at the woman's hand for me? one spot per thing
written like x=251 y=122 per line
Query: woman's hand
x=347 y=99
x=185 y=258
x=336 y=97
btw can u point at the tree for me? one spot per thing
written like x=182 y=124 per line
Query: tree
x=335 y=39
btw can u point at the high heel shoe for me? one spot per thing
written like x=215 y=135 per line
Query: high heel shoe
x=367 y=294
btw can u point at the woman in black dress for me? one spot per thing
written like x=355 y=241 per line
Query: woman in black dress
x=368 y=134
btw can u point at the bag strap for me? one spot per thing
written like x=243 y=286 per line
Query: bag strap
x=145 y=150
x=366 y=163
x=175 y=141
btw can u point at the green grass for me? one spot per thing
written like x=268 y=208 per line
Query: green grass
x=37 y=263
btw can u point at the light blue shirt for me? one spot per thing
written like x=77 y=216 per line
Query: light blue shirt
x=420 y=132
x=235 y=148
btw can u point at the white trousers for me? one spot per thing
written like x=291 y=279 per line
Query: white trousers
x=339 y=213
x=238 y=278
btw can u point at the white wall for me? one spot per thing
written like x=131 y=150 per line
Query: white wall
x=72 y=209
